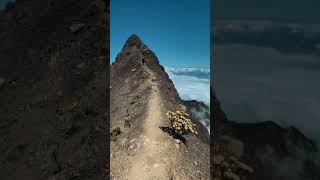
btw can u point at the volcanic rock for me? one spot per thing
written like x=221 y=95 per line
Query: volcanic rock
x=39 y=57
x=76 y=27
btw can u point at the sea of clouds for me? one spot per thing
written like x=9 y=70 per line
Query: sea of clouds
x=258 y=84
x=270 y=71
x=192 y=84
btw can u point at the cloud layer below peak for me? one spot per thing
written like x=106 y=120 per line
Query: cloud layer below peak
x=191 y=83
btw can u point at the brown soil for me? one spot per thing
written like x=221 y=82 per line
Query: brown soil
x=155 y=159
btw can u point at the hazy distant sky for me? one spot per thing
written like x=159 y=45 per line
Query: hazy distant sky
x=177 y=31
x=266 y=67
x=277 y=9
x=3 y=3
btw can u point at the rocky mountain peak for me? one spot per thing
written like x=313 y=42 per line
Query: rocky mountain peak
x=134 y=52
x=134 y=57
x=141 y=96
x=134 y=41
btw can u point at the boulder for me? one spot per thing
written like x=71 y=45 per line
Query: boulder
x=76 y=27
x=154 y=79
x=217 y=159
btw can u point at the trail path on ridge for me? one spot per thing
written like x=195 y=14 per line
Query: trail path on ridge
x=158 y=155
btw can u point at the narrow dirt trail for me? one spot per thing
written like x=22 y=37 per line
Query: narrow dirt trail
x=156 y=158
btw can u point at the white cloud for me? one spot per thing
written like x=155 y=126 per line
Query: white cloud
x=264 y=25
x=260 y=84
x=191 y=83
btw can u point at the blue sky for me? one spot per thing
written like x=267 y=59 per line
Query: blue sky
x=177 y=31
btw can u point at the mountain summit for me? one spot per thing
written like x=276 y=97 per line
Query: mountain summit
x=134 y=41
x=145 y=146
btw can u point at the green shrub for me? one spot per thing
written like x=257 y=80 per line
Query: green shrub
x=114 y=133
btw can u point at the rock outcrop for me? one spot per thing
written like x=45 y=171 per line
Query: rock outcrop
x=54 y=99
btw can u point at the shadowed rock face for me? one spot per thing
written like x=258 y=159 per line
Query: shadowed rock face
x=268 y=148
x=196 y=105
x=269 y=133
x=54 y=101
x=194 y=108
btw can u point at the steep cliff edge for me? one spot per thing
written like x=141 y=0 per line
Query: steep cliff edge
x=141 y=94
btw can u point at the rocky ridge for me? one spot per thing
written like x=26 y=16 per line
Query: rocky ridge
x=137 y=78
